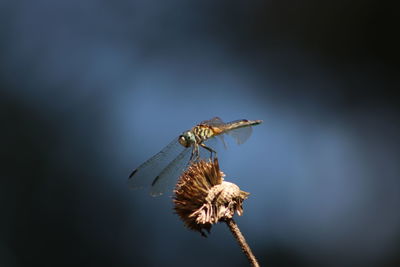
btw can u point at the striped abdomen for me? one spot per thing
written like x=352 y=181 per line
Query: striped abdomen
x=203 y=132
x=206 y=131
x=233 y=125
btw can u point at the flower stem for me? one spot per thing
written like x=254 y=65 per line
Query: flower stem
x=242 y=242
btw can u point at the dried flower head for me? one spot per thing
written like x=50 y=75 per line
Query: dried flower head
x=203 y=198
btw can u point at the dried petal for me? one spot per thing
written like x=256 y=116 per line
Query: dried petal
x=203 y=198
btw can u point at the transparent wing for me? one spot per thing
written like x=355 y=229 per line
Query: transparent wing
x=241 y=134
x=168 y=177
x=221 y=137
x=145 y=173
x=216 y=121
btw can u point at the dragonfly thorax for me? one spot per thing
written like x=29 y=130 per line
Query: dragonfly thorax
x=187 y=139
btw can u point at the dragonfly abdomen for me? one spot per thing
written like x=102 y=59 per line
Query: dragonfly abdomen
x=240 y=124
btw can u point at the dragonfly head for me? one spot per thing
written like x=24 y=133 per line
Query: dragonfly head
x=187 y=138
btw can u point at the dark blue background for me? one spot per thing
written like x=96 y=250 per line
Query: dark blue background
x=91 y=89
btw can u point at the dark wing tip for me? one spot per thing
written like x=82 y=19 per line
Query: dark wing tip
x=133 y=173
x=155 y=180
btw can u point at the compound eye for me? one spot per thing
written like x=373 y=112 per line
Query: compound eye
x=182 y=141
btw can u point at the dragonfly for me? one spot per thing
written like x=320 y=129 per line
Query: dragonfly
x=161 y=170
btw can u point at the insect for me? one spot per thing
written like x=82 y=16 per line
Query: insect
x=164 y=167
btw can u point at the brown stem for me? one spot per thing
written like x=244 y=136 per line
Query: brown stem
x=242 y=242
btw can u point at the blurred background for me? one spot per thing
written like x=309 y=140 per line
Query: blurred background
x=91 y=89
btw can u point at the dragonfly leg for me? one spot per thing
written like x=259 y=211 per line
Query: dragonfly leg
x=209 y=149
x=195 y=153
x=192 y=155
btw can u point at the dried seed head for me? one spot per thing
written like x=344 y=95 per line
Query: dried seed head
x=203 y=198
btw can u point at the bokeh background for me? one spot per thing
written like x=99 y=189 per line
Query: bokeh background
x=91 y=89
